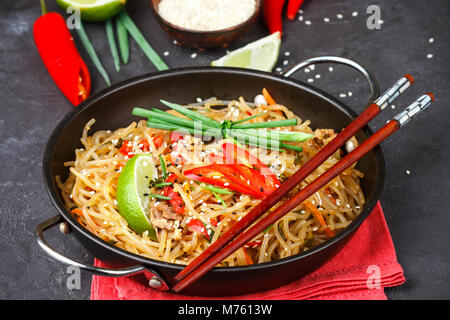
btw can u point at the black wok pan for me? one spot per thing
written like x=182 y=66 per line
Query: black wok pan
x=112 y=109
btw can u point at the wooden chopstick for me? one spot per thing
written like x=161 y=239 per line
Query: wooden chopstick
x=388 y=129
x=368 y=114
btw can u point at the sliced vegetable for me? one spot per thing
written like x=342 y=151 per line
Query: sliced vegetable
x=319 y=217
x=157 y=196
x=223 y=176
x=195 y=225
x=176 y=201
x=163 y=167
x=268 y=97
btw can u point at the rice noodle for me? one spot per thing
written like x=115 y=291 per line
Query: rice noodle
x=93 y=174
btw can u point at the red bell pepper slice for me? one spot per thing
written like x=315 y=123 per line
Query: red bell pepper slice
x=176 y=202
x=234 y=154
x=197 y=226
x=222 y=176
x=126 y=149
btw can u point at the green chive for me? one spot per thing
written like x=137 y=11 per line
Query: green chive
x=276 y=135
x=219 y=199
x=164 y=184
x=163 y=167
x=91 y=52
x=268 y=124
x=112 y=44
x=122 y=36
x=140 y=40
x=247 y=119
x=191 y=114
x=215 y=189
x=157 y=196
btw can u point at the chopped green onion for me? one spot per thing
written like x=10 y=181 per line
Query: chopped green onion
x=142 y=42
x=112 y=44
x=91 y=52
x=247 y=119
x=219 y=199
x=268 y=124
x=215 y=189
x=164 y=184
x=163 y=167
x=157 y=196
x=191 y=114
x=122 y=36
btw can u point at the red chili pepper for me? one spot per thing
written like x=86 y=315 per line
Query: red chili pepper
x=292 y=8
x=127 y=147
x=223 y=175
x=158 y=141
x=253 y=244
x=61 y=58
x=176 y=202
x=272 y=10
x=197 y=226
x=264 y=178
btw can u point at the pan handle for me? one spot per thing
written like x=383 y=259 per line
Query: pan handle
x=373 y=83
x=155 y=280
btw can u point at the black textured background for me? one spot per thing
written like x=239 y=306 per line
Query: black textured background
x=415 y=205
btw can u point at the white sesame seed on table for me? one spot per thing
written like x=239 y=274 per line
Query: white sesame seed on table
x=340 y=16
x=308 y=22
x=326 y=19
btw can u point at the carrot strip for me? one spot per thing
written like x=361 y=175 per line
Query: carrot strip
x=268 y=97
x=77 y=211
x=318 y=215
x=248 y=259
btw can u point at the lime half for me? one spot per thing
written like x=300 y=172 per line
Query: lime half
x=132 y=191
x=94 y=10
x=259 y=55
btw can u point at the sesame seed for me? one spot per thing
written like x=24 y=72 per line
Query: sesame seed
x=326 y=19
x=278 y=69
x=285 y=62
x=312 y=67
x=349 y=93
x=175 y=42
x=431 y=40
x=287 y=53
x=308 y=23
x=199 y=100
x=166 y=53
x=340 y=16
x=408 y=172
x=310 y=80
x=380 y=21
x=300 y=18
x=318 y=76
x=330 y=69
x=194 y=55
x=355 y=13
x=342 y=95
x=307 y=70
x=430 y=56
x=393 y=106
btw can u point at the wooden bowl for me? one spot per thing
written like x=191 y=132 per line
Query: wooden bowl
x=204 y=40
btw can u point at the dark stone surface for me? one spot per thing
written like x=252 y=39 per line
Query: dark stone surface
x=415 y=205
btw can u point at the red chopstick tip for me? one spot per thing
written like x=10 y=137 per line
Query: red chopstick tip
x=431 y=96
x=409 y=77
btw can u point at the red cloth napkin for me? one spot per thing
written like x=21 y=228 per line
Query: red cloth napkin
x=360 y=271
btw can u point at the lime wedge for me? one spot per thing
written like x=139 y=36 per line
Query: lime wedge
x=94 y=10
x=132 y=188
x=259 y=55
